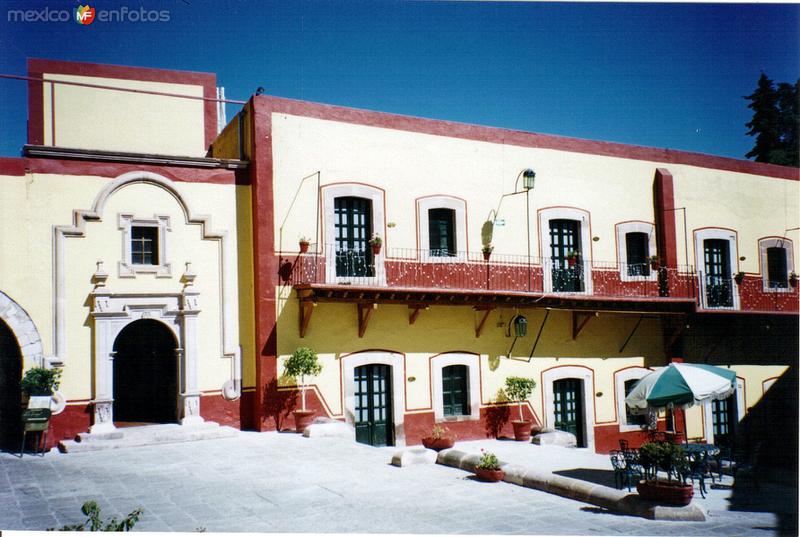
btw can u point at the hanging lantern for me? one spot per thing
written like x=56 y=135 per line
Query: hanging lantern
x=520 y=326
x=528 y=178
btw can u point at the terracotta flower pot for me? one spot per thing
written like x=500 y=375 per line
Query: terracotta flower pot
x=793 y=282
x=303 y=247
x=492 y=476
x=438 y=444
x=302 y=419
x=571 y=261
x=522 y=430
x=487 y=255
x=376 y=249
x=670 y=493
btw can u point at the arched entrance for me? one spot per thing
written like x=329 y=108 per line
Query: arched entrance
x=10 y=375
x=145 y=374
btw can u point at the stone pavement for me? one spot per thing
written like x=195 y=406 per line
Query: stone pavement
x=280 y=482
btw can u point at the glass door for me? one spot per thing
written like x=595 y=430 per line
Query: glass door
x=373 y=398
x=568 y=407
x=353 y=229
x=719 y=291
x=565 y=254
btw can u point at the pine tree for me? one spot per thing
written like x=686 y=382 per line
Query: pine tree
x=775 y=122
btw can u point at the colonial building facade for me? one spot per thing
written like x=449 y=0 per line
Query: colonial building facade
x=580 y=264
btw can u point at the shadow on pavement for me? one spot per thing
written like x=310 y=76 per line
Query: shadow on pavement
x=593 y=475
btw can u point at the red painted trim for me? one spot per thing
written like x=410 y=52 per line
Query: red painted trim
x=265 y=264
x=12 y=166
x=663 y=202
x=453 y=129
x=38 y=67
x=112 y=170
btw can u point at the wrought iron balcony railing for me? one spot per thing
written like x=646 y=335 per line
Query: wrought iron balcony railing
x=442 y=270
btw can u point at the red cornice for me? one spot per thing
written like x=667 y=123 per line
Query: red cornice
x=38 y=67
x=18 y=167
x=519 y=138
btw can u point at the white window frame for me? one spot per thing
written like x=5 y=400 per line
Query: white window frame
x=620 y=377
x=127 y=269
x=471 y=361
x=397 y=363
x=459 y=207
x=772 y=242
x=376 y=196
x=622 y=249
x=699 y=256
x=708 y=415
x=565 y=213
x=567 y=372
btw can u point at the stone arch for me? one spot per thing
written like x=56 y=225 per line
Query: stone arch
x=23 y=328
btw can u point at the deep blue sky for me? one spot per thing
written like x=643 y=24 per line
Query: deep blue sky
x=662 y=75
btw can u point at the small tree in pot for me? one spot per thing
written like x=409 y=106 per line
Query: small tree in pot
x=671 y=459
x=39 y=384
x=519 y=389
x=302 y=363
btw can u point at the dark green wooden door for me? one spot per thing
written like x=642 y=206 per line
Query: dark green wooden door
x=373 y=394
x=723 y=413
x=719 y=287
x=568 y=406
x=565 y=238
x=353 y=229
x=10 y=375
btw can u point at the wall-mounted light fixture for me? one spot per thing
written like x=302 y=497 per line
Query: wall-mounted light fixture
x=528 y=178
x=519 y=325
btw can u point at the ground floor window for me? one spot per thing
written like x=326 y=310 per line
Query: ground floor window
x=455 y=397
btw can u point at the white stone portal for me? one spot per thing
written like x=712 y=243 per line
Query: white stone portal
x=112 y=313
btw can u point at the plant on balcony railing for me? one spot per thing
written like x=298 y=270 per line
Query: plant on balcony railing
x=738 y=277
x=376 y=242
x=793 y=279
x=487 y=251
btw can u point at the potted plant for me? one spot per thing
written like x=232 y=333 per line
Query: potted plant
x=669 y=458
x=376 y=243
x=488 y=467
x=519 y=389
x=738 y=277
x=572 y=258
x=793 y=279
x=304 y=243
x=655 y=262
x=487 y=251
x=302 y=363
x=439 y=439
x=38 y=385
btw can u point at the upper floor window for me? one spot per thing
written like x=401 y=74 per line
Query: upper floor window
x=442 y=229
x=635 y=247
x=144 y=245
x=565 y=247
x=352 y=231
x=716 y=261
x=777 y=260
x=441 y=232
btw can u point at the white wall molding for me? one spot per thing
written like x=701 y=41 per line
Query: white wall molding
x=623 y=229
x=397 y=363
x=620 y=377
x=229 y=297
x=586 y=376
x=340 y=190
x=565 y=213
x=775 y=242
x=472 y=362
x=459 y=207
x=24 y=330
x=733 y=256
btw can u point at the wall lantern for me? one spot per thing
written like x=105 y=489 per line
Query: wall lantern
x=520 y=325
x=528 y=178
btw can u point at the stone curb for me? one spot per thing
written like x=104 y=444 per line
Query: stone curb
x=576 y=489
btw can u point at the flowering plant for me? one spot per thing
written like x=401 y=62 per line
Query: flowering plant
x=376 y=240
x=439 y=431
x=488 y=461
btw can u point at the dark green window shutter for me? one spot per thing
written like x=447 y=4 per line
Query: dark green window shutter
x=454 y=390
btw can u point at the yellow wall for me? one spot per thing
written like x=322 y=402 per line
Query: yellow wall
x=411 y=165
x=33 y=204
x=93 y=118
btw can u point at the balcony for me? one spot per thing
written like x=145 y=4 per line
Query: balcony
x=515 y=279
x=467 y=278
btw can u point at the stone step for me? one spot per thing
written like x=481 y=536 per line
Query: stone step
x=148 y=435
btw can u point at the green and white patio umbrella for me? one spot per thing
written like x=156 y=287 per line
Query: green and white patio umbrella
x=681 y=385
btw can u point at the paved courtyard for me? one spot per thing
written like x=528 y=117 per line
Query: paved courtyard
x=279 y=482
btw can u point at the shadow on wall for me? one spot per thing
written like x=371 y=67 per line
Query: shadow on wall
x=767 y=438
x=278 y=403
x=496 y=419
